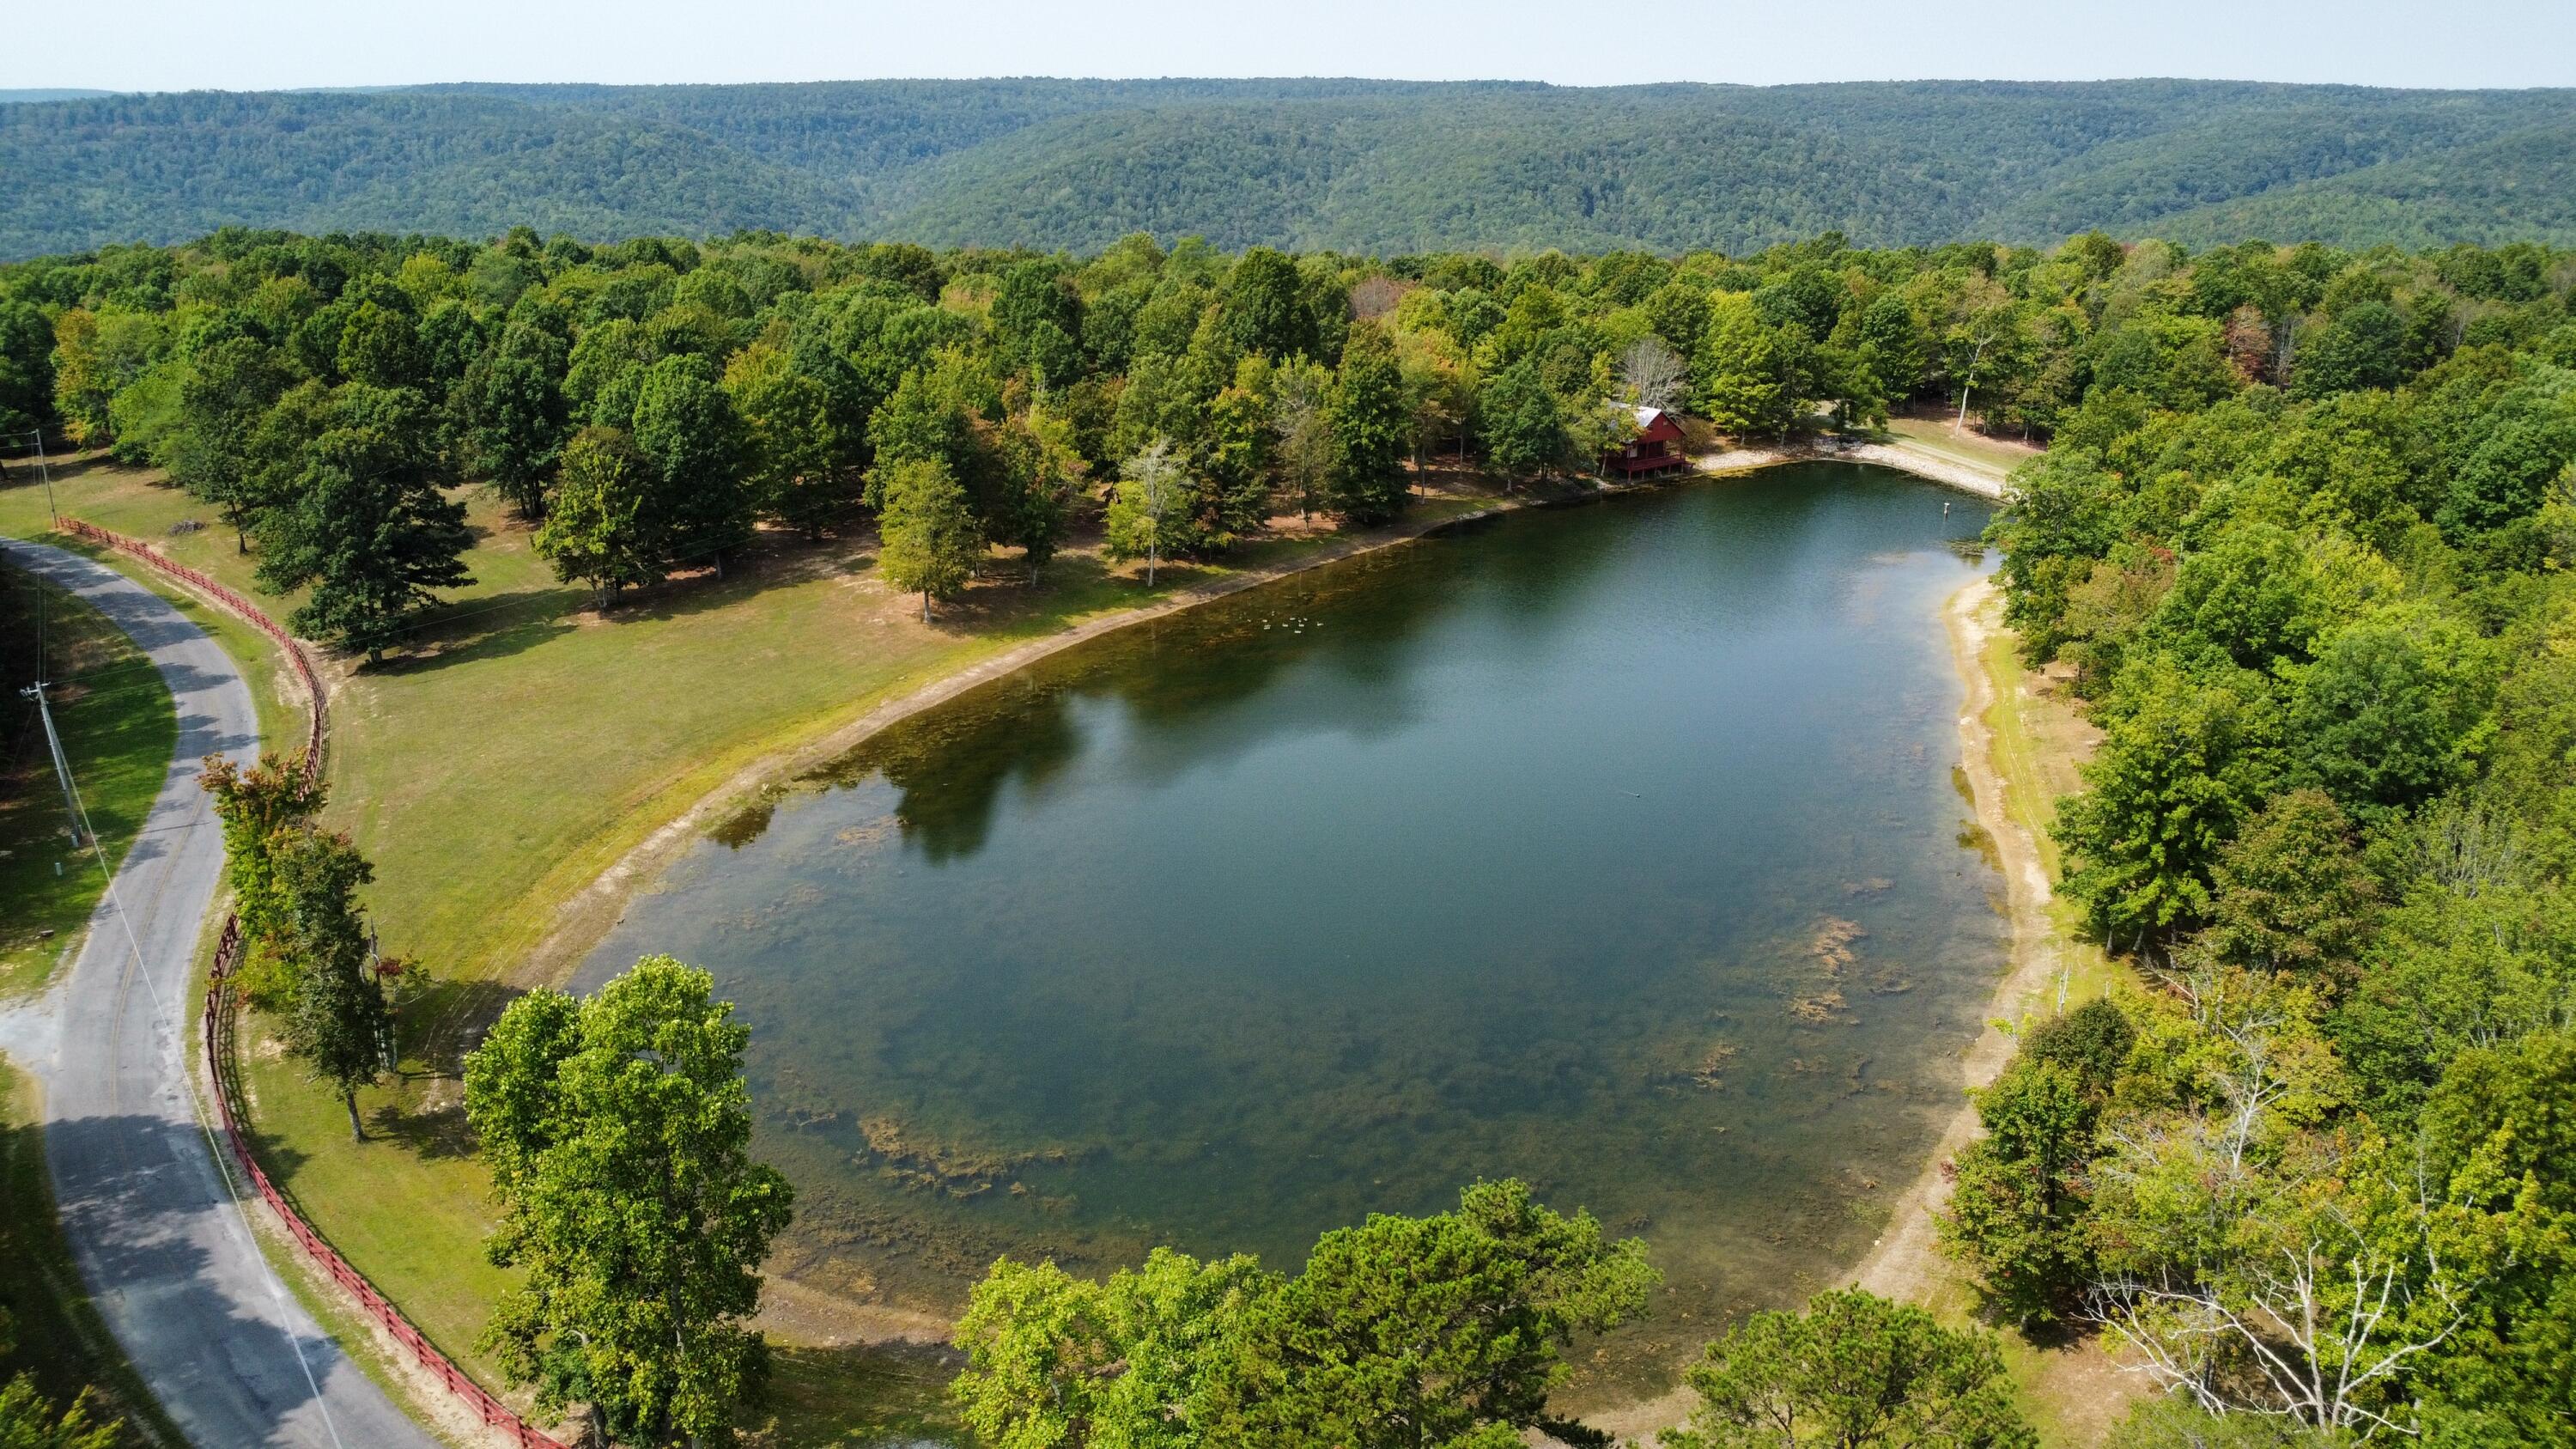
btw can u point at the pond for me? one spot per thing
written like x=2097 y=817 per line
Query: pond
x=1617 y=848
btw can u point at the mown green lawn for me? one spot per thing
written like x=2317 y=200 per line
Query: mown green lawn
x=118 y=729
x=524 y=745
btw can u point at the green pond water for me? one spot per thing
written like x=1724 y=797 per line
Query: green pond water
x=1617 y=848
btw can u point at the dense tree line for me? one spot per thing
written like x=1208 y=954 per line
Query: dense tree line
x=649 y=406
x=1354 y=165
x=2302 y=544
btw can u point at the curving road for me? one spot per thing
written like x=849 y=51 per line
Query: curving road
x=148 y=1212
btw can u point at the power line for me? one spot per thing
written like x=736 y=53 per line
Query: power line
x=232 y=1189
x=62 y=768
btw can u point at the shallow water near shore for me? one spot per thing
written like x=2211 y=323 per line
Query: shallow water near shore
x=1614 y=848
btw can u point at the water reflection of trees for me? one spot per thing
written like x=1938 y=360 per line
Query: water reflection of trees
x=1187 y=686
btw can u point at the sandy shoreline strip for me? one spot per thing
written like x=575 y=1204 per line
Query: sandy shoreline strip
x=1906 y=1262
x=586 y=918
x=1903 y=1264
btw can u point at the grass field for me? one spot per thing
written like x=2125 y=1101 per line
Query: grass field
x=117 y=730
x=1933 y=435
x=523 y=745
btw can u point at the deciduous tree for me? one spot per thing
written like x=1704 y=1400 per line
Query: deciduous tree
x=605 y=527
x=1370 y=426
x=367 y=527
x=620 y=1131
x=930 y=540
x=1151 y=505
x=1855 y=1371
x=336 y=1022
x=262 y=809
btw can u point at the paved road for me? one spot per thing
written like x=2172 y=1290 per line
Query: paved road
x=144 y=1205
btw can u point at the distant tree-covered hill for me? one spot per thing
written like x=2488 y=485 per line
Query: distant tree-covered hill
x=1356 y=165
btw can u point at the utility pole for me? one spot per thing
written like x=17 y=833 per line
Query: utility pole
x=62 y=767
x=46 y=472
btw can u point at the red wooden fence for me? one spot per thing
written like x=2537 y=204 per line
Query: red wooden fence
x=286 y=642
x=219 y=1019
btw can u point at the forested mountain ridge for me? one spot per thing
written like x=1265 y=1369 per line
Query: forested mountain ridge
x=1344 y=164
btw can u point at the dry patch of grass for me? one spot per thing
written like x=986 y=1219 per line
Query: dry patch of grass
x=1998 y=456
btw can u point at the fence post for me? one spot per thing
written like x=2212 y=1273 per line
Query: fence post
x=218 y=1031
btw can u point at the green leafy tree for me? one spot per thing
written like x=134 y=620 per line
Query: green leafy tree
x=1044 y=470
x=28 y=1422
x=263 y=808
x=1891 y=339
x=1739 y=374
x=1037 y=323
x=1522 y=424
x=605 y=527
x=1407 y=1331
x=1151 y=506
x=2292 y=891
x=2393 y=711
x=1301 y=419
x=368 y=528
x=2253 y=595
x=26 y=367
x=1446 y=1331
x=521 y=420
x=930 y=540
x=228 y=391
x=619 y=1129
x=2019 y=1212
x=1266 y=309
x=1053 y=1360
x=1855 y=1371
x=1371 y=426
x=687 y=432
x=2017 y=1209
x=794 y=438
x=337 y=1022
x=379 y=343
x=2177 y=772
x=2363 y=347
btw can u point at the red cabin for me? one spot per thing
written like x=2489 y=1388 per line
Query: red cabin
x=1657 y=446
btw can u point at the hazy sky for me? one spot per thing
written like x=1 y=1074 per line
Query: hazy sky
x=265 y=44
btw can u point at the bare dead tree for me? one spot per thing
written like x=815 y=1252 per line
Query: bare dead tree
x=1652 y=373
x=2277 y=1345
x=2311 y=1320
x=1376 y=297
